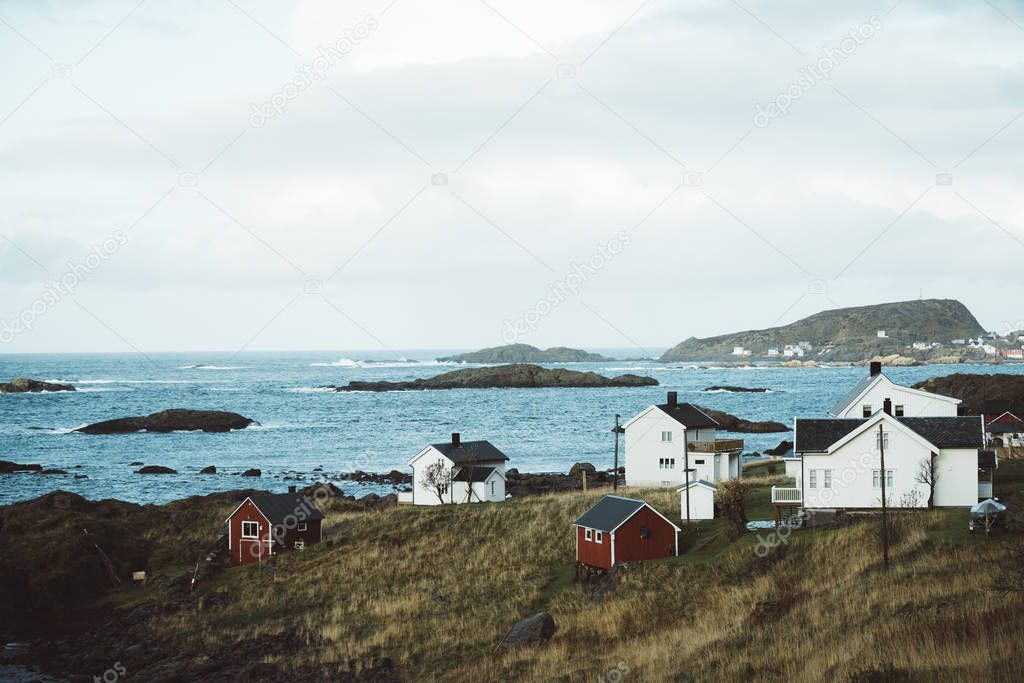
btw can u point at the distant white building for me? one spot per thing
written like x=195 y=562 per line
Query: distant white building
x=661 y=439
x=740 y=351
x=773 y=351
x=882 y=334
x=792 y=350
x=989 y=349
x=868 y=395
x=958 y=342
x=471 y=472
x=806 y=346
x=921 y=346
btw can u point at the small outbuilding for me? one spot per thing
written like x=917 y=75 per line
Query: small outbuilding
x=617 y=530
x=702 y=499
x=262 y=526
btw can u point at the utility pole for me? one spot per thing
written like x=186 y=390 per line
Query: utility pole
x=686 y=479
x=615 y=472
x=885 y=520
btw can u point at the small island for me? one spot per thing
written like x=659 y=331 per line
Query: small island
x=517 y=376
x=524 y=353
x=977 y=390
x=23 y=385
x=731 y=423
x=174 y=420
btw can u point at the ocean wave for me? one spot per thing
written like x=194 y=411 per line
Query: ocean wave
x=635 y=368
x=732 y=391
x=80 y=382
x=397 y=363
x=201 y=366
x=310 y=390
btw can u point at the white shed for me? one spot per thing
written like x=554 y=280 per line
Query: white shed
x=702 y=499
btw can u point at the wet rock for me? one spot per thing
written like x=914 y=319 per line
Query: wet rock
x=175 y=420
x=24 y=385
x=208 y=470
x=156 y=469
x=254 y=472
x=7 y=467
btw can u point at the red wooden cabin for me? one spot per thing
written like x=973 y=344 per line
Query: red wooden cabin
x=618 y=530
x=262 y=526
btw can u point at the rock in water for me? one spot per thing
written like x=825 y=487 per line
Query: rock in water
x=24 y=385
x=175 y=420
x=519 y=376
x=534 y=630
x=156 y=469
x=7 y=467
x=208 y=470
x=252 y=473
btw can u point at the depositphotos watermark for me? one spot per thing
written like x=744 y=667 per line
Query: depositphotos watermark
x=565 y=288
x=64 y=286
x=307 y=74
x=812 y=74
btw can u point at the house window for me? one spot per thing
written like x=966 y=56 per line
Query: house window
x=250 y=530
x=666 y=463
x=645 y=532
x=598 y=537
x=589 y=534
x=828 y=479
x=492 y=488
x=666 y=437
x=300 y=545
x=698 y=462
x=876 y=479
x=882 y=441
x=867 y=410
x=302 y=526
x=812 y=481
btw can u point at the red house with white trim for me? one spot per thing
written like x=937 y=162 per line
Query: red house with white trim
x=617 y=530
x=262 y=526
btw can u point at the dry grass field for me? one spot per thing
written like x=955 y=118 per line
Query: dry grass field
x=433 y=590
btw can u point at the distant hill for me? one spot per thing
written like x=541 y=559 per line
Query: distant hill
x=847 y=334
x=976 y=390
x=524 y=353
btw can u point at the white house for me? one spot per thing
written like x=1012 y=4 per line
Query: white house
x=470 y=472
x=791 y=350
x=867 y=396
x=661 y=439
x=841 y=462
x=702 y=499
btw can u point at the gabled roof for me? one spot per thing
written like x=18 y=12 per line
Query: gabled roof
x=686 y=414
x=858 y=390
x=1006 y=418
x=479 y=474
x=470 y=451
x=611 y=512
x=819 y=435
x=276 y=507
x=862 y=387
x=696 y=482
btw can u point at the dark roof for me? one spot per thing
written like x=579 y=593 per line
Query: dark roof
x=479 y=474
x=688 y=415
x=278 y=506
x=852 y=394
x=609 y=512
x=1005 y=427
x=948 y=432
x=816 y=435
x=471 y=451
x=987 y=459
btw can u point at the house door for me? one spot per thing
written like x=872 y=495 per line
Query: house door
x=718 y=465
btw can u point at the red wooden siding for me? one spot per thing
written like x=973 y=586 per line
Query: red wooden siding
x=660 y=541
x=591 y=552
x=244 y=550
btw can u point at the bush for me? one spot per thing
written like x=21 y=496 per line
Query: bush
x=732 y=500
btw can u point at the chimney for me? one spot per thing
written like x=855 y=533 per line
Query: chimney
x=887 y=406
x=673 y=398
x=291 y=489
x=456 y=439
x=876 y=368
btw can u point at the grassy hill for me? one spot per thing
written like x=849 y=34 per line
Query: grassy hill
x=426 y=594
x=849 y=333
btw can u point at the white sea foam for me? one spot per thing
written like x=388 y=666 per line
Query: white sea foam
x=310 y=390
x=397 y=363
x=200 y=366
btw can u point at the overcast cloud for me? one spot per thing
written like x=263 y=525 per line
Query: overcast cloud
x=460 y=161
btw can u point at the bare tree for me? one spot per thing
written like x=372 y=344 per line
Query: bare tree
x=469 y=467
x=437 y=478
x=732 y=500
x=928 y=474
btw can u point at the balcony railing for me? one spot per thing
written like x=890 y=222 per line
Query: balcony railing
x=716 y=446
x=786 y=495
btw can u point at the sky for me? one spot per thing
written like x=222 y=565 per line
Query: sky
x=228 y=175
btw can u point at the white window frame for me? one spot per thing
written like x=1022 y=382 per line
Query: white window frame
x=828 y=479
x=899 y=410
x=588 y=534
x=812 y=479
x=882 y=441
x=876 y=479
x=866 y=410
x=598 y=537
x=245 y=525
x=492 y=488
x=302 y=526
x=300 y=545
x=666 y=437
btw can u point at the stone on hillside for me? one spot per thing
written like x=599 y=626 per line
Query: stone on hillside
x=533 y=630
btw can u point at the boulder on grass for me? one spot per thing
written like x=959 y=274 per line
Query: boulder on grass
x=534 y=630
x=580 y=467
